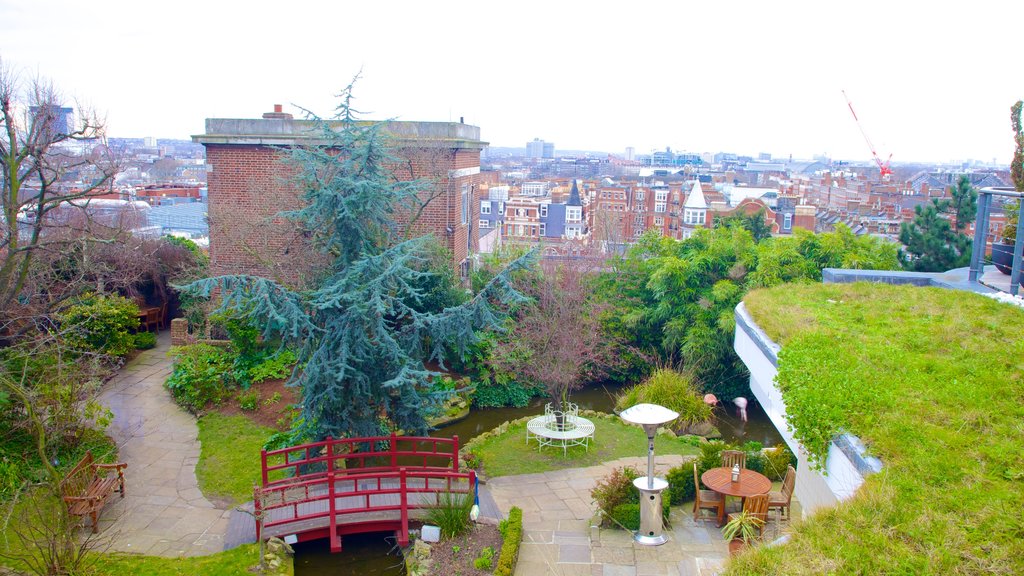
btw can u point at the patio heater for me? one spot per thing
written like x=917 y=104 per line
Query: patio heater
x=650 y=416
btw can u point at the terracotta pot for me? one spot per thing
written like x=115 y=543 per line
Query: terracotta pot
x=736 y=545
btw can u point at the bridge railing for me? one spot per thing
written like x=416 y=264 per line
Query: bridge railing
x=348 y=455
x=298 y=501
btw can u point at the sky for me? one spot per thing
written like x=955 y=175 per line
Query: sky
x=930 y=81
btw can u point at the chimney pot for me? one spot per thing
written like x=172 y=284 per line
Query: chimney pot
x=277 y=108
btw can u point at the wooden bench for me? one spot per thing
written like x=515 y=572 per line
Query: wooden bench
x=87 y=486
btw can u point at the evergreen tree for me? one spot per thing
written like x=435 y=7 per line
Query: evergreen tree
x=362 y=333
x=931 y=243
x=754 y=223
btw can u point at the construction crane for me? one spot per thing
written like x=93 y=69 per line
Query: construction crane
x=883 y=167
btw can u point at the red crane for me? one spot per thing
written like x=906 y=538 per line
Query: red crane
x=883 y=167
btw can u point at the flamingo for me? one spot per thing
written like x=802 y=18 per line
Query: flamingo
x=741 y=407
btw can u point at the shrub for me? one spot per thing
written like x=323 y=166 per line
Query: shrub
x=627 y=516
x=249 y=400
x=512 y=536
x=277 y=366
x=776 y=460
x=680 y=483
x=672 y=390
x=485 y=560
x=497 y=389
x=201 y=376
x=614 y=490
x=145 y=340
x=451 y=513
x=273 y=399
x=101 y=324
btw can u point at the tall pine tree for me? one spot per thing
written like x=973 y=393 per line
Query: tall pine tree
x=931 y=243
x=362 y=338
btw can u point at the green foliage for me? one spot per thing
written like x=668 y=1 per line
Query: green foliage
x=240 y=560
x=776 y=461
x=626 y=516
x=512 y=537
x=249 y=399
x=273 y=367
x=754 y=223
x=145 y=340
x=451 y=513
x=486 y=559
x=101 y=324
x=1012 y=208
x=201 y=376
x=672 y=390
x=929 y=379
x=360 y=332
x=614 y=490
x=201 y=258
x=743 y=526
x=931 y=244
x=503 y=390
x=680 y=483
x=273 y=399
x=676 y=300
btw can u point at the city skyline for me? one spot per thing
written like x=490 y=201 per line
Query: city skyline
x=746 y=79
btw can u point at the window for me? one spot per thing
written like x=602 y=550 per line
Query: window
x=543 y=229
x=485 y=207
x=520 y=212
x=660 y=195
x=659 y=221
x=659 y=206
x=639 y=196
x=519 y=230
x=465 y=203
x=485 y=223
x=573 y=214
x=787 y=222
x=543 y=210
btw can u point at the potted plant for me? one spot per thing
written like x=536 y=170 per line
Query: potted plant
x=740 y=530
x=1002 y=254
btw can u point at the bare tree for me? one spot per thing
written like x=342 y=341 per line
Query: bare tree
x=45 y=163
x=556 y=341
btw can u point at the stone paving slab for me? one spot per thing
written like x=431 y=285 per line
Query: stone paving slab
x=560 y=536
x=163 y=512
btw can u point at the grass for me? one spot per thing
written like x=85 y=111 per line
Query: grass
x=507 y=453
x=229 y=461
x=231 y=562
x=931 y=380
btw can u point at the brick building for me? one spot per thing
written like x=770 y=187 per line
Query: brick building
x=249 y=186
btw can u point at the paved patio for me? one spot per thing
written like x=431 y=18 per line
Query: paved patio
x=560 y=536
x=163 y=512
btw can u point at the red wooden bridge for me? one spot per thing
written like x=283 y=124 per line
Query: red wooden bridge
x=336 y=487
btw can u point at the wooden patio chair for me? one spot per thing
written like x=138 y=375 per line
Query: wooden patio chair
x=706 y=499
x=756 y=506
x=151 y=322
x=784 y=497
x=730 y=457
x=163 y=317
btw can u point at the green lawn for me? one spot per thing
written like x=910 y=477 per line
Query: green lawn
x=229 y=461
x=933 y=382
x=232 y=562
x=507 y=453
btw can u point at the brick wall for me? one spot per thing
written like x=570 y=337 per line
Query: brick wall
x=249 y=186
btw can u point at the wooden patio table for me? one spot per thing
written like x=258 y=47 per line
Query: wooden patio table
x=750 y=484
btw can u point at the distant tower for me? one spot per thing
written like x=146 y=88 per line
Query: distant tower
x=630 y=153
x=535 y=149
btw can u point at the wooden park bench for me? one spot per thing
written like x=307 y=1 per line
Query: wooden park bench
x=86 y=488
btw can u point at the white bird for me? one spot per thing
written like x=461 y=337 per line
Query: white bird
x=741 y=407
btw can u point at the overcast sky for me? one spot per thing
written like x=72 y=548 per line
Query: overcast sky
x=933 y=82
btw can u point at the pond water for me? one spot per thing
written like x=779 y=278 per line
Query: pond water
x=373 y=553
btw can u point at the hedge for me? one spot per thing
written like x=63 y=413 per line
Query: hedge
x=512 y=536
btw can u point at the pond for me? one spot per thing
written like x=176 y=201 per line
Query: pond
x=601 y=398
x=374 y=554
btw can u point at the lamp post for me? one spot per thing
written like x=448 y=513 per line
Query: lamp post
x=650 y=416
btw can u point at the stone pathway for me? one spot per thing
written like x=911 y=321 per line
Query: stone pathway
x=560 y=536
x=163 y=512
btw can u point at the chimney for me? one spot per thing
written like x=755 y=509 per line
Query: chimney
x=277 y=113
